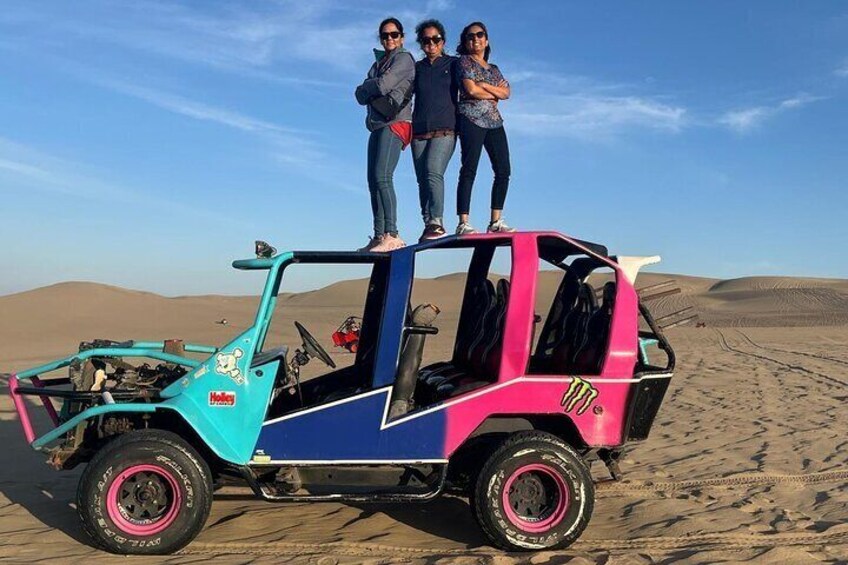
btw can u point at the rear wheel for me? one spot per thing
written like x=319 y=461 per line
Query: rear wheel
x=534 y=492
x=146 y=492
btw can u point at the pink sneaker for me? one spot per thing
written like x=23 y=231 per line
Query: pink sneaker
x=388 y=243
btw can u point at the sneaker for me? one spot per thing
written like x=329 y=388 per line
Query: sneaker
x=464 y=228
x=432 y=231
x=499 y=226
x=372 y=243
x=389 y=243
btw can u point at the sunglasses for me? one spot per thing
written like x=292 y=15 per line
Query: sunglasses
x=435 y=40
x=387 y=34
x=471 y=35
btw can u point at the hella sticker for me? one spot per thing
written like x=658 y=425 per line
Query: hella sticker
x=222 y=398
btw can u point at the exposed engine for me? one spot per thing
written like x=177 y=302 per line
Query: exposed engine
x=111 y=374
x=108 y=380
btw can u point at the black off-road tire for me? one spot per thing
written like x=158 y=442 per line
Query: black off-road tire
x=178 y=474
x=532 y=461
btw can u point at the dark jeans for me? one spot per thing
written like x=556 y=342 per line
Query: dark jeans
x=384 y=149
x=472 y=140
x=431 y=157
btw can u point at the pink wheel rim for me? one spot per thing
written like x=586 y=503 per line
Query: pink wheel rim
x=535 y=498
x=143 y=500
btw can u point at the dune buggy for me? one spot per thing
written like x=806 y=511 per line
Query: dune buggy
x=512 y=425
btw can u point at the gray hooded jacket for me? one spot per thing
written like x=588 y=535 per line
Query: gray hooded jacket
x=391 y=75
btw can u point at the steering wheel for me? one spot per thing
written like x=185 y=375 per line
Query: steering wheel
x=312 y=347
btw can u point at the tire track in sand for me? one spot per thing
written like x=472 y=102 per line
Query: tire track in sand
x=791 y=351
x=745 y=479
x=796 y=368
x=694 y=541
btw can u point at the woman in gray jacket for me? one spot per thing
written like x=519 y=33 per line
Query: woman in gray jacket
x=386 y=93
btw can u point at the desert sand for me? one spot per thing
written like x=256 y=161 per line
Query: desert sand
x=747 y=461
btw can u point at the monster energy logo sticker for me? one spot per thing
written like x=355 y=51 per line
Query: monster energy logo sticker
x=580 y=393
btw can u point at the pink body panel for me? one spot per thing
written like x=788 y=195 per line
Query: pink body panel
x=518 y=326
x=21 y=409
x=601 y=422
x=45 y=400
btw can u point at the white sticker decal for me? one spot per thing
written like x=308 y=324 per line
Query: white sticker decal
x=261 y=457
x=227 y=364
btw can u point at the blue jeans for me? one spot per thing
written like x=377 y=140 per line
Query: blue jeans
x=383 y=154
x=431 y=157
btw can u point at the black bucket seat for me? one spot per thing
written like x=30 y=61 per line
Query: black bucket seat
x=574 y=330
x=563 y=304
x=589 y=353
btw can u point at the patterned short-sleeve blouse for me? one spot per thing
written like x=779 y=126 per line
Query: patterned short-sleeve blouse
x=482 y=113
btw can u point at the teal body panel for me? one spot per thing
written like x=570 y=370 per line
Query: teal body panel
x=224 y=400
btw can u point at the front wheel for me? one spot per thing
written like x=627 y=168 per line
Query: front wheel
x=534 y=492
x=146 y=492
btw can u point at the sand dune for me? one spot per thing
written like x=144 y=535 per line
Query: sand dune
x=747 y=462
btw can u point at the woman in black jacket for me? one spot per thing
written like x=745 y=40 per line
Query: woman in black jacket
x=433 y=124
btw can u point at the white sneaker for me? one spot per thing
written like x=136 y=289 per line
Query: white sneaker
x=499 y=226
x=388 y=243
x=464 y=228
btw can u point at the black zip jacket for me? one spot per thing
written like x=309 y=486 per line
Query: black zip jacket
x=436 y=93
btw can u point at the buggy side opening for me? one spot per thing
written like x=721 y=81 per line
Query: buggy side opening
x=355 y=369
x=426 y=374
x=574 y=335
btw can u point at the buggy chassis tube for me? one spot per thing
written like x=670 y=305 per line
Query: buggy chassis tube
x=112 y=352
x=141 y=349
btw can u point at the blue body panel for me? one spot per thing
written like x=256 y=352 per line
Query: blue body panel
x=350 y=431
x=394 y=314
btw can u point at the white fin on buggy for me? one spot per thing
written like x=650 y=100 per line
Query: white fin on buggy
x=631 y=265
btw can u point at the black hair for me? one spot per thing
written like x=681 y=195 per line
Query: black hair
x=419 y=29
x=395 y=21
x=461 y=47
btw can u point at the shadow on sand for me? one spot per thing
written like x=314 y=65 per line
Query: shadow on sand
x=25 y=478
x=49 y=496
x=447 y=517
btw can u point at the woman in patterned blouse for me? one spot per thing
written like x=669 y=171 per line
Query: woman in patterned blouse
x=480 y=125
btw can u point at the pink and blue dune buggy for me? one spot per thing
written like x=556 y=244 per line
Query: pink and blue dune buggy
x=512 y=425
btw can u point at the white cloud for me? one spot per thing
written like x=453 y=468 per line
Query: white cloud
x=551 y=104
x=292 y=148
x=748 y=119
x=24 y=167
x=197 y=110
x=271 y=40
x=439 y=5
x=593 y=117
x=742 y=121
x=288 y=145
x=842 y=70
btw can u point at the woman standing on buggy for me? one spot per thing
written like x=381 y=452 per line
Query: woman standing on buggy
x=480 y=125
x=386 y=92
x=433 y=123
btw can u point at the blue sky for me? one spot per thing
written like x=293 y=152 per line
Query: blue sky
x=147 y=144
